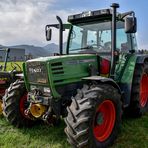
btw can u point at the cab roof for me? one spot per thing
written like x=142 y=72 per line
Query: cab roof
x=88 y=16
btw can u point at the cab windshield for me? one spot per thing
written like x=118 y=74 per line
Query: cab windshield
x=96 y=38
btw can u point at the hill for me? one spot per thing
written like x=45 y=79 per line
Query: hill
x=36 y=51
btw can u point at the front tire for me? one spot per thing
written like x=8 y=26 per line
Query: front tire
x=94 y=117
x=15 y=103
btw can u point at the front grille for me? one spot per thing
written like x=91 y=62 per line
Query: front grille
x=57 y=68
x=37 y=72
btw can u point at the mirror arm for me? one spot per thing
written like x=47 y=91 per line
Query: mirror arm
x=52 y=25
x=123 y=15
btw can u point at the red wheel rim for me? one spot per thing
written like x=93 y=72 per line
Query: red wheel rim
x=23 y=104
x=104 y=120
x=144 y=90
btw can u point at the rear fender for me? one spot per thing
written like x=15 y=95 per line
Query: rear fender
x=126 y=80
x=141 y=59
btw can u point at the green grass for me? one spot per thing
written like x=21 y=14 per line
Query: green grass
x=134 y=134
x=10 y=65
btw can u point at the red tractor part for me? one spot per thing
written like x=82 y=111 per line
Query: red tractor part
x=23 y=105
x=144 y=90
x=105 y=66
x=104 y=120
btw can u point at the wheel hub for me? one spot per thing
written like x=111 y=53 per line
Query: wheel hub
x=37 y=110
x=100 y=119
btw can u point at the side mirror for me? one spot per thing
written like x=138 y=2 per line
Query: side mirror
x=48 y=34
x=130 y=24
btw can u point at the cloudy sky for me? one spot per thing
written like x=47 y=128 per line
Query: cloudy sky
x=23 y=21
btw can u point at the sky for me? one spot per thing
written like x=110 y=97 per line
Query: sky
x=23 y=21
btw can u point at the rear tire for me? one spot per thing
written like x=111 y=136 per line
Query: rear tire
x=139 y=97
x=15 y=103
x=94 y=117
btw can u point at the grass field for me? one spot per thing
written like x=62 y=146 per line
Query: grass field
x=134 y=134
x=11 y=65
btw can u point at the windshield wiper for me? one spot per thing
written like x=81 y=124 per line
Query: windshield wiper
x=87 y=47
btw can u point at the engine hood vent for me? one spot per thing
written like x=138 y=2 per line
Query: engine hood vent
x=57 y=68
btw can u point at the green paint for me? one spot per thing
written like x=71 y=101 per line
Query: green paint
x=125 y=68
x=72 y=68
x=127 y=76
x=25 y=77
x=10 y=65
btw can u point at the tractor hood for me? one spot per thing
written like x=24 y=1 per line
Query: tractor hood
x=54 y=58
x=58 y=71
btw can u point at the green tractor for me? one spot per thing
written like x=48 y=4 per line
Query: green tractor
x=90 y=84
x=9 y=72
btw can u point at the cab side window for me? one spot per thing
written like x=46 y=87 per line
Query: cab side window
x=123 y=42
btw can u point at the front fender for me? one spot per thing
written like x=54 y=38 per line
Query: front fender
x=104 y=80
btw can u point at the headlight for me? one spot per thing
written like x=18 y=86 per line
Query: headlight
x=37 y=72
x=47 y=90
x=42 y=80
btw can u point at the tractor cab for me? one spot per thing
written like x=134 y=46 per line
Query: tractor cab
x=91 y=32
x=95 y=36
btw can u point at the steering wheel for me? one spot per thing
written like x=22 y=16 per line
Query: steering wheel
x=107 y=45
x=98 y=46
x=16 y=66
